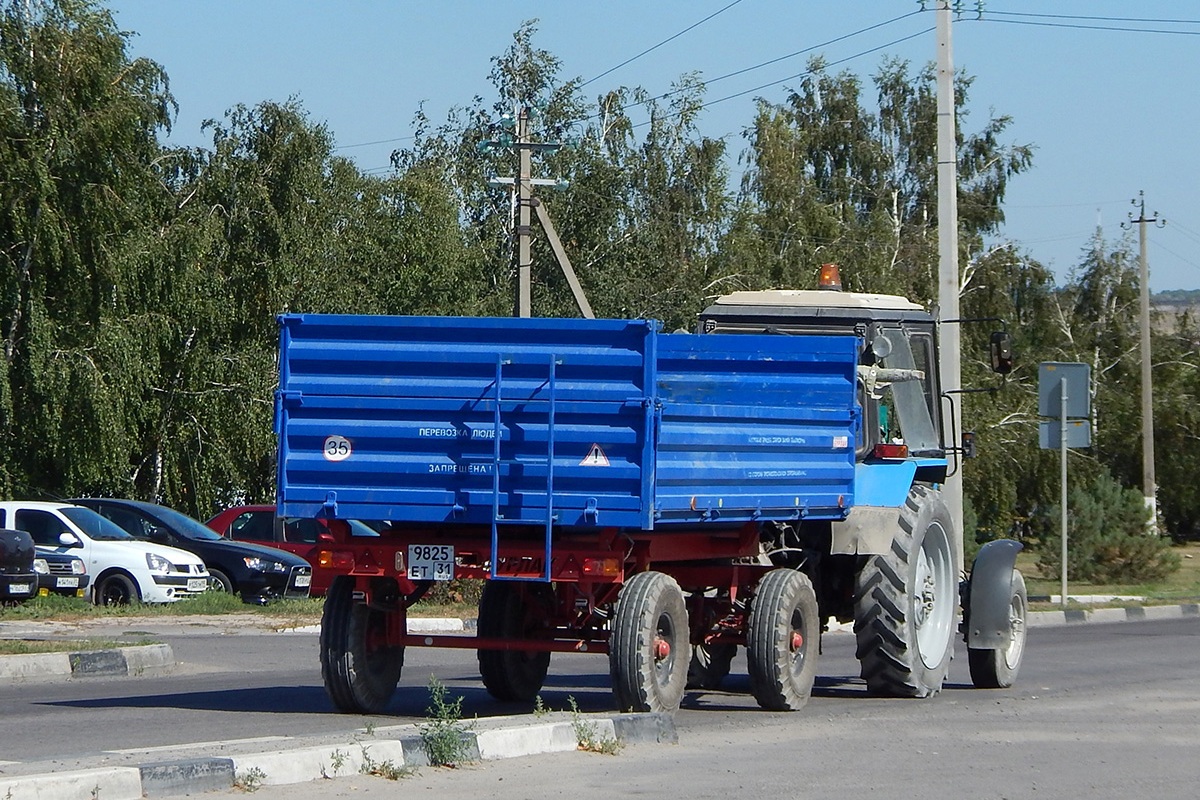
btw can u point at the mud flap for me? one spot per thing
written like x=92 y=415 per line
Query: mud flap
x=988 y=595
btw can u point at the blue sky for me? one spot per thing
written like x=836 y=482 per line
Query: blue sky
x=1110 y=110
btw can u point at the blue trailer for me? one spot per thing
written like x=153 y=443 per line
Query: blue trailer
x=663 y=498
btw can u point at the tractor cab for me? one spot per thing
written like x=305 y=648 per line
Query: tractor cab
x=898 y=382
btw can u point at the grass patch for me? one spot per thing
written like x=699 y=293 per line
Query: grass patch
x=69 y=609
x=19 y=647
x=1181 y=586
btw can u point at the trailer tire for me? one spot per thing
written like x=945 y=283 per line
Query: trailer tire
x=513 y=611
x=906 y=603
x=709 y=665
x=359 y=668
x=649 y=649
x=997 y=669
x=782 y=640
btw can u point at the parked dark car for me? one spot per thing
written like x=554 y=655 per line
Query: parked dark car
x=18 y=581
x=259 y=574
x=298 y=536
x=60 y=573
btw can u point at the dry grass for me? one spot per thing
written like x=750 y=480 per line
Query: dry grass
x=1182 y=586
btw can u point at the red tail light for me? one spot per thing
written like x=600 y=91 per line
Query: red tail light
x=892 y=451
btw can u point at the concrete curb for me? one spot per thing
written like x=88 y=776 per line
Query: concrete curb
x=380 y=751
x=1077 y=616
x=151 y=659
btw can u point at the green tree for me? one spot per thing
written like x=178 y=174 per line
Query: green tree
x=78 y=132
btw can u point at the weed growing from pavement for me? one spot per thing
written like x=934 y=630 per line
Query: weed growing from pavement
x=251 y=780
x=383 y=769
x=337 y=760
x=445 y=735
x=587 y=734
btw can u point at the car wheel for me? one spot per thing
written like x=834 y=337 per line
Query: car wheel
x=117 y=589
x=219 y=582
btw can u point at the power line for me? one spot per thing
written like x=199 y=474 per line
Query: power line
x=807 y=72
x=1117 y=28
x=660 y=44
x=1091 y=18
x=719 y=78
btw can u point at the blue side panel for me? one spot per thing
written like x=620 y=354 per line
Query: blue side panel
x=560 y=422
x=415 y=398
x=755 y=427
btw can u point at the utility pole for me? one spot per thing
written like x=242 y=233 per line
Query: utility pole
x=1149 y=486
x=526 y=205
x=949 y=358
x=524 y=195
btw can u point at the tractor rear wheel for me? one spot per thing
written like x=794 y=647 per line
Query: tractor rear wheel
x=906 y=603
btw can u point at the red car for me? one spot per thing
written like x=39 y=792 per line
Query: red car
x=260 y=525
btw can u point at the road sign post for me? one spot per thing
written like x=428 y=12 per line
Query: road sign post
x=1064 y=391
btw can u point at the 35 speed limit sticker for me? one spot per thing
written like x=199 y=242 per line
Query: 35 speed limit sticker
x=337 y=448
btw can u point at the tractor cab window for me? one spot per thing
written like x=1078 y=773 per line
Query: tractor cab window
x=905 y=410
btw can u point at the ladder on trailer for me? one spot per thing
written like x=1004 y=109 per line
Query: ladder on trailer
x=513 y=466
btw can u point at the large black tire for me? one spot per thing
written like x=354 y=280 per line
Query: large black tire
x=906 y=603
x=782 y=640
x=709 y=665
x=513 y=610
x=649 y=649
x=997 y=669
x=115 y=589
x=359 y=669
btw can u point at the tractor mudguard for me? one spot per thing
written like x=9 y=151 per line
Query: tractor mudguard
x=989 y=595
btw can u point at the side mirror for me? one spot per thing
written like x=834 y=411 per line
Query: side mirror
x=968 y=444
x=160 y=535
x=68 y=539
x=1000 y=348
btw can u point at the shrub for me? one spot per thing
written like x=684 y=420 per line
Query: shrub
x=1108 y=538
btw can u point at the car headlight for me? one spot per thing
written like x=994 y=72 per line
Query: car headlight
x=259 y=564
x=41 y=567
x=78 y=567
x=157 y=563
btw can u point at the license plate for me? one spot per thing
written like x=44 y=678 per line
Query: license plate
x=67 y=583
x=20 y=588
x=430 y=562
x=303 y=580
x=197 y=584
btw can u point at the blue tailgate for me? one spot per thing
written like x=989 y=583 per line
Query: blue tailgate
x=564 y=421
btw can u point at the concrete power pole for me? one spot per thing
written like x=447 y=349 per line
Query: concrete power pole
x=950 y=335
x=1149 y=486
x=526 y=205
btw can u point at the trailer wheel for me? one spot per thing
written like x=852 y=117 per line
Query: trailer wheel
x=513 y=611
x=648 y=651
x=997 y=669
x=359 y=668
x=709 y=665
x=782 y=640
x=906 y=603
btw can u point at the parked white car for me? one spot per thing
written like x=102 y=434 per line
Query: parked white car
x=123 y=569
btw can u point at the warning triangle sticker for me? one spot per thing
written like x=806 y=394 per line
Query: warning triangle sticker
x=594 y=458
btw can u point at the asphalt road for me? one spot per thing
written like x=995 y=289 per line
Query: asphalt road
x=1100 y=711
